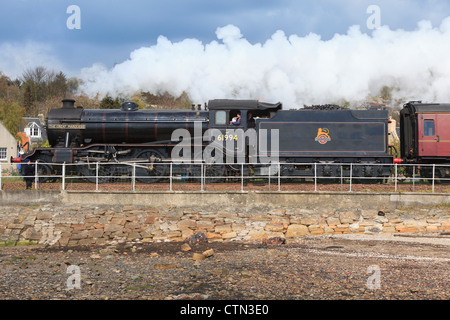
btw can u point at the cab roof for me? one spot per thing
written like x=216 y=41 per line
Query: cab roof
x=229 y=104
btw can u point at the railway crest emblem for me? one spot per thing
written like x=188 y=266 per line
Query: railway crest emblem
x=323 y=136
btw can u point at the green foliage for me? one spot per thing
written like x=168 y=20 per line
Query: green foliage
x=386 y=93
x=44 y=144
x=40 y=89
x=11 y=114
x=40 y=85
x=110 y=103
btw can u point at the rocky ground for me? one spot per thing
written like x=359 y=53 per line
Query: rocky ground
x=359 y=267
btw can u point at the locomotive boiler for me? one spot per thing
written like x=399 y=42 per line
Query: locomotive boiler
x=74 y=127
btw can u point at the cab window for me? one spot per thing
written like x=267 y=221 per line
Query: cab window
x=428 y=128
x=221 y=117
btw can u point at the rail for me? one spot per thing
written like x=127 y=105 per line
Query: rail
x=172 y=176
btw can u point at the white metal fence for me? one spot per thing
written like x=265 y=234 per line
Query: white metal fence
x=202 y=177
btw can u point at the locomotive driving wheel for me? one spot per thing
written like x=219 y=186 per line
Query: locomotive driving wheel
x=212 y=172
x=43 y=171
x=153 y=169
x=105 y=173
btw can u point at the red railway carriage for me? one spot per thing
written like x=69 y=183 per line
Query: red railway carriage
x=425 y=133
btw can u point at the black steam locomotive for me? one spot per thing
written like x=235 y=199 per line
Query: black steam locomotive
x=308 y=142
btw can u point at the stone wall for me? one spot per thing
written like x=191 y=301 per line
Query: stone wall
x=62 y=224
x=235 y=200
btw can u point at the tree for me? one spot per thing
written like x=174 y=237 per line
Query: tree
x=9 y=89
x=11 y=114
x=167 y=101
x=386 y=93
x=40 y=85
x=110 y=103
x=57 y=85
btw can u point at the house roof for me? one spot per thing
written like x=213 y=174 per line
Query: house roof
x=28 y=120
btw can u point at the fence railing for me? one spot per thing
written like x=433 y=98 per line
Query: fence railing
x=171 y=176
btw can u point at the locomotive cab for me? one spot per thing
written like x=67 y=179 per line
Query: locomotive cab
x=234 y=125
x=223 y=111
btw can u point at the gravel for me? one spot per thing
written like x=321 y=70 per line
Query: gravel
x=344 y=267
x=236 y=187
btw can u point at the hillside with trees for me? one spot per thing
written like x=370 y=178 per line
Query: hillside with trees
x=38 y=90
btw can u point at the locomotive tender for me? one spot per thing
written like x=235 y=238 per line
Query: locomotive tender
x=311 y=141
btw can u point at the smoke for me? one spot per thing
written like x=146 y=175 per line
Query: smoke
x=292 y=69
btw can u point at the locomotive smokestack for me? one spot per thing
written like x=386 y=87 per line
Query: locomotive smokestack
x=68 y=104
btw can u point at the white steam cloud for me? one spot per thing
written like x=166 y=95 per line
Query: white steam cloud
x=294 y=70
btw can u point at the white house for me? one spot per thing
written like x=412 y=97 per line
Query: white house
x=34 y=129
x=8 y=148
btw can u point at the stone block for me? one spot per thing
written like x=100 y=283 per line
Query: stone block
x=274 y=227
x=333 y=221
x=174 y=234
x=328 y=230
x=15 y=226
x=410 y=223
x=205 y=225
x=296 y=230
x=342 y=228
x=213 y=236
x=257 y=234
x=433 y=228
x=31 y=234
x=96 y=233
x=63 y=241
x=280 y=219
x=150 y=219
x=113 y=227
x=348 y=217
x=445 y=225
x=238 y=227
x=44 y=216
x=371 y=213
x=309 y=220
x=389 y=230
x=183 y=224
x=229 y=235
x=118 y=220
x=186 y=233
x=278 y=212
x=317 y=231
x=133 y=226
x=223 y=228
x=133 y=236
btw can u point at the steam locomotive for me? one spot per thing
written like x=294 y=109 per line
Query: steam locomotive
x=309 y=141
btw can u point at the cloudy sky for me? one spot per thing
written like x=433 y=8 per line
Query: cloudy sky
x=113 y=32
